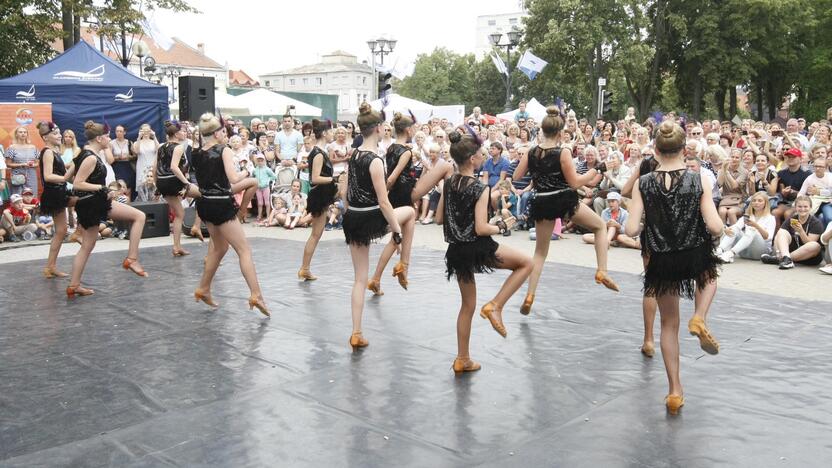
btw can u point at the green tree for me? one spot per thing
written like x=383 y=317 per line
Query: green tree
x=26 y=33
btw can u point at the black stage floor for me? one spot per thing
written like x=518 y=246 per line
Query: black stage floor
x=141 y=375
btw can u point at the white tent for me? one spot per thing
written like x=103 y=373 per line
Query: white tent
x=535 y=109
x=264 y=102
x=224 y=102
x=421 y=110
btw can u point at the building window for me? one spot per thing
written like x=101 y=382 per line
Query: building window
x=364 y=80
x=268 y=83
x=512 y=21
x=492 y=22
x=305 y=81
x=319 y=81
x=291 y=81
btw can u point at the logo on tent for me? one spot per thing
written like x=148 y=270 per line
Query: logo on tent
x=128 y=97
x=95 y=74
x=24 y=116
x=27 y=95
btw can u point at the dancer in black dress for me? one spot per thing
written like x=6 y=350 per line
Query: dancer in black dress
x=463 y=209
x=55 y=197
x=556 y=183
x=400 y=182
x=322 y=195
x=96 y=203
x=680 y=218
x=169 y=173
x=369 y=213
x=215 y=174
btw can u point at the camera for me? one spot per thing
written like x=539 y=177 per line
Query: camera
x=602 y=168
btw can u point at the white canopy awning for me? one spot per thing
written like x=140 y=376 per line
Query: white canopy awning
x=421 y=110
x=535 y=109
x=264 y=102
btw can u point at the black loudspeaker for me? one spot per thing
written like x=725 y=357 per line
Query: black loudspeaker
x=188 y=223
x=196 y=96
x=156 y=223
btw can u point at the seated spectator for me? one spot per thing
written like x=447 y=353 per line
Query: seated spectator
x=146 y=192
x=297 y=211
x=818 y=187
x=788 y=182
x=506 y=203
x=751 y=236
x=17 y=221
x=523 y=189
x=280 y=212
x=824 y=240
x=732 y=185
x=335 y=215
x=616 y=218
x=613 y=179
x=798 y=238
x=46 y=227
x=29 y=201
x=496 y=167
x=695 y=164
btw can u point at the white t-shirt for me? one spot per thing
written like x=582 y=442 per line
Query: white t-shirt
x=766 y=222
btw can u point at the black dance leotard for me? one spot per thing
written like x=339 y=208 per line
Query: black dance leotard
x=92 y=207
x=166 y=181
x=467 y=253
x=363 y=221
x=217 y=205
x=680 y=248
x=402 y=188
x=55 y=197
x=320 y=195
x=553 y=197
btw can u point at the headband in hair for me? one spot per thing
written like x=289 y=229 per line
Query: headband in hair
x=412 y=117
x=49 y=124
x=474 y=135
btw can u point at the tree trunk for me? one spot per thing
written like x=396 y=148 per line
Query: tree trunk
x=732 y=102
x=76 y=28
x=125 y=58
x=773 y=107
x=759 y=101
x=719 y=100
x=697 y=97
x=66 y=24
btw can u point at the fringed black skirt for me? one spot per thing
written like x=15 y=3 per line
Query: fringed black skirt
x=319 y=199
x=92 y=208
x=681 y=272
x=216 y=210
x=361 y=227
x=169 y=186
x=399 y=195
x=466 y=259
x=54 y=199
x=553 y=205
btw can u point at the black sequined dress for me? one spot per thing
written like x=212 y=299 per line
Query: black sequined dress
x=166 y=181
x=553 y=197
x=216 y=205
x=321 y=195
x=92 y=207
x=648 y=165
x=680 y=248
x=363 y=221
x=467 y=252
x=54 y=197
x=402 y=188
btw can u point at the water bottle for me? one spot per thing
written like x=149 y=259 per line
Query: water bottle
x=28 y=236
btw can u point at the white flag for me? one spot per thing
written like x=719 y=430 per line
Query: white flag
x=498 y=62
x=161 y=39
x=531 y=64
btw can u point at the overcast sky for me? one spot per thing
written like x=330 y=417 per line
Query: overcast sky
x=264 y=36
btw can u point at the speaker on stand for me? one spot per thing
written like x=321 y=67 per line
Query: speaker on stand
x=196 y=97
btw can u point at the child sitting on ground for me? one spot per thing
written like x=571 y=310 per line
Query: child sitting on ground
x=297 y=212
x=279 y=214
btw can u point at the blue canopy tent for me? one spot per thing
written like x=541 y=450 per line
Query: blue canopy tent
x=84 y=84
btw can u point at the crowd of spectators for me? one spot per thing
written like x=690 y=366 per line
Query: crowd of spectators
x=771 y=185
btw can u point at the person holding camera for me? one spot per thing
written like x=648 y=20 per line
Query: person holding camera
x=787 y=183
x=145 y=148
x=22 y=158
x=797 y=241
x=749 y=237
x=615 y=175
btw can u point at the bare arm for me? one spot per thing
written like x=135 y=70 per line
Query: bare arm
x=438 y=172
x=481 y=225
x=568 y=168
x=178 y=152
x=377 y=175
x=48 y=175
x=317 y=165
x=439 y=215
x=636 y=208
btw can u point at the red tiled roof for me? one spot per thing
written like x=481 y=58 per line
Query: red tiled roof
x=241 y=78
x=179 y=54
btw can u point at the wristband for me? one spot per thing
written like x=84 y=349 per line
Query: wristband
x=501 y=225
x=397 y=238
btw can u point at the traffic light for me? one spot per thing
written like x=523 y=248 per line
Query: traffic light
x=607 y=102
x=384 y=84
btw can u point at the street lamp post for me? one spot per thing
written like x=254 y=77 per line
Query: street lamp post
x=380 y=47
x=513 y=37
x=169 y=71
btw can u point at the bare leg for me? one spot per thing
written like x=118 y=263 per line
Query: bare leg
x=520 y=266
x=703 y=299
x=587 y=218
x=406 y=216
x=217 y=247
x=648 y=312
x=468 y=293
x=544 y=229
x=318 y=223
x=361 y=265
x=57 y=240
x=385 y=257
x=233 y=233
x=122 y=212
x=669 y=309
x=89 y=238
x=175 y=204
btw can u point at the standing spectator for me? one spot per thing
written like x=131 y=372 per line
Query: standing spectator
x=289 y=142
x=17 y=221
x=521 y=112
x=339 y=151
x=22 y=159
x=798 y=238
x=145 y=149
x=123 y=159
